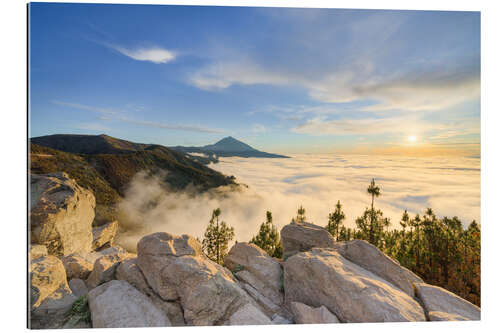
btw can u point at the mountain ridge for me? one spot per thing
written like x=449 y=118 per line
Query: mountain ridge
x=106 y=165
x=227 y=147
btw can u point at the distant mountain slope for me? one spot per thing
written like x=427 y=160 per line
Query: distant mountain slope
x=88 y=144
x=227 y=147
x=106 y=165
x=229 y=144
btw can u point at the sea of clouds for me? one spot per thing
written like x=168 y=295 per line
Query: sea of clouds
x=450 y=185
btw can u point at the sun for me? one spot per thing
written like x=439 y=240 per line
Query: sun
x=412 y=138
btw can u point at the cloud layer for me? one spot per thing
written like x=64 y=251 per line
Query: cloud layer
x=451 y=186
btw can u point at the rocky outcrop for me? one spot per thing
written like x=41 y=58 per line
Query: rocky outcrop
x=372 y=259
x=254 y=266
x=248 y=314
x=444 y=305
x=105 y=267
x=61 y=214
x=304 y=314
x=176 y=269
x=118 y=304
x=302 y=236
x=77 y=266
x=78 y=287
x=130 y=272
x=104 y=235
x=323 y=277
x=51 y=298
x=47 y=276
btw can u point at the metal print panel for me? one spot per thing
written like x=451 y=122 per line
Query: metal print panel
x=200 y=166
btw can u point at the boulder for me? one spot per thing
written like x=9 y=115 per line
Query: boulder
x=130 y=272
x=77 y=266
x=267 y=306
x=443 y=316
x=279 y=320
x=105 y=267
x=372 y=259
x=255 y=267
x=47 y=276
x=176 y=269
x=444 y=305
x=304 y=314
x=54 y=311
x=302 y=236
x=118 y=304
x=61 y=214
x=51 y=298
x=104 y=235
x=78 y=287
x=323 y=277
x=248 y=314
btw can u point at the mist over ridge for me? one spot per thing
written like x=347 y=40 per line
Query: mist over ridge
x=449 y=185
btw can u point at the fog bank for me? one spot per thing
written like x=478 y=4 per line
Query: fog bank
x=451 y=186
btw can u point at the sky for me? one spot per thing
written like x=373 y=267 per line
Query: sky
x=450 y=186
x=282 y=80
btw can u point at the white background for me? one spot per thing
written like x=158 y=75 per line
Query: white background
x=13 y=115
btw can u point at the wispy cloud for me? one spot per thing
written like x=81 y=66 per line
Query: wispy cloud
x=187 y=128
x=407 y=124
x=93 y=126
x=366 y=126
x=434 y=89
x=112 y=114
x=259 y=128
x=153 y=54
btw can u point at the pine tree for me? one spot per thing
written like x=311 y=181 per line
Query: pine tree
x=335 y=220
x=301 y=215
x=217 y=237
x=268 y=238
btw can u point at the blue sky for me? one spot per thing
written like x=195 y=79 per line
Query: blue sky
x=282 y=80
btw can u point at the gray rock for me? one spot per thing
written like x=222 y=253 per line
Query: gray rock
x=248 y=314
x=370 y=258
x=302 y=236
x=279 y=320
x=78 y=287
x=304 y=314
x=444 y=305
x=61 y=214
x=105 y=268
x=269 y=308
x=104 y=235
x=255 y=267
x=443 y=316
x=130 y=272
x=353 y=294
x=118 y=304
x=176 y=269
x=53 y=311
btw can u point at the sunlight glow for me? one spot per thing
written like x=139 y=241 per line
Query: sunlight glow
x=412 y=138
